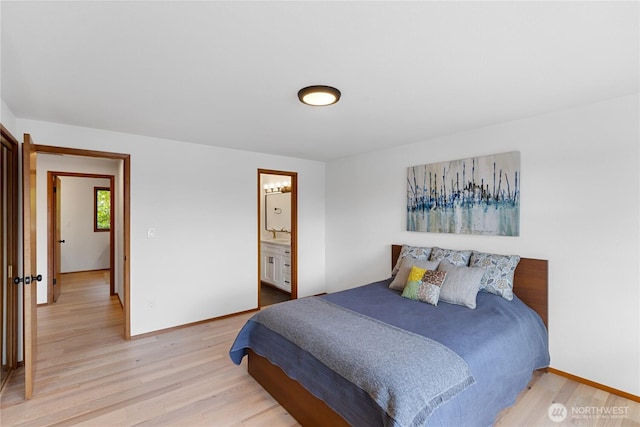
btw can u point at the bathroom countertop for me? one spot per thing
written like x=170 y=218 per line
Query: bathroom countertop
x=281 y=242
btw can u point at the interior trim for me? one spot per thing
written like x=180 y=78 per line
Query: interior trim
x=294 y=229
x=188 y=325
x=126 y=158
x=50 y=227
x=594 y=384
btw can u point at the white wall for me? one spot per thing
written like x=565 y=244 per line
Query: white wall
x=55 y=163
x=580 y=210
x=83 y=249
x=8 y=119
x=201 y=200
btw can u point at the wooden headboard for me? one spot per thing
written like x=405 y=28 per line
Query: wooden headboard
x=530 y=282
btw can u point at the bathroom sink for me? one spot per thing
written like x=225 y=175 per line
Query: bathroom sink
x=287 y=241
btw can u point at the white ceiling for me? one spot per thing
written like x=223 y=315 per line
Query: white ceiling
x=228 y=73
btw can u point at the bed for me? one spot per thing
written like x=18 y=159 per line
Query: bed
x=489 y=354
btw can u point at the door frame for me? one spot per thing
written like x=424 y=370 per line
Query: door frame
x=126 y=225
x=29 y=264
x=12 y=258
x=51 y=204
x=294 y=228
x=56 y=258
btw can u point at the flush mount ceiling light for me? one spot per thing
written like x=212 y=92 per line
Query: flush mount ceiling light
x=319 y=96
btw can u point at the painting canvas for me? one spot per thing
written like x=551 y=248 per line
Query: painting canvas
x=479 y=195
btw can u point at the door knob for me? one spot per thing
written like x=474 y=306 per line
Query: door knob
x=28 y=279
x=60 y=241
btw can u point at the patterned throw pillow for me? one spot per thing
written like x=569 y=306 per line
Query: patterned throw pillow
x=416 y=252
x=400 y=280
x=499 y=270
x=413 y=281
x=416 y=273
x=457 y=258
x=427 y=288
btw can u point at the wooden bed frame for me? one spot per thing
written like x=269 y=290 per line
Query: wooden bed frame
x=530 y=284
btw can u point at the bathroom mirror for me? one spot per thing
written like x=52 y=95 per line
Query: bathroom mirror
x=277 y=211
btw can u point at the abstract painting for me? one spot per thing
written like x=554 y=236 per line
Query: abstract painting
x=479 y=195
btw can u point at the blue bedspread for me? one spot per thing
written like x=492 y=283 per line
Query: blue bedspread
x=502 y=342
x=406 y=374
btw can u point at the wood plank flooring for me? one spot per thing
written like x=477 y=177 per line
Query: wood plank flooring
x=269 y=296
x=87 y=374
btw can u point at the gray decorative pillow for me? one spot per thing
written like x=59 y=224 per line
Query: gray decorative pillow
x=458 y=258
x=461 y=285
x=412 y=251
x=400 y=281
x=498 y=275
x=426 y=290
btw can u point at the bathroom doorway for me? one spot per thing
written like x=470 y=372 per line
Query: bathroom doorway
x=277 y=236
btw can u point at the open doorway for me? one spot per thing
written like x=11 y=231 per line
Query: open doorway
x=77 y=162
x=277 y=236
x=80 y=228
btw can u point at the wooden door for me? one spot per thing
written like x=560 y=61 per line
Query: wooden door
x=57 y=238
x=29 y=261
x=9 y=211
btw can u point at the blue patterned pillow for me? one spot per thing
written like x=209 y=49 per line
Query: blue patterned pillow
x=416 y=252
x=427 y=289
x=457 y=258
x=498 y=276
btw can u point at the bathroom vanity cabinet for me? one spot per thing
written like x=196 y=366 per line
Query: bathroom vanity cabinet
x=276 y=265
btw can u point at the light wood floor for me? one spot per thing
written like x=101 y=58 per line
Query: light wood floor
x=87 y=374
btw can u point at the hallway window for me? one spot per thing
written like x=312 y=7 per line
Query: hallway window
x=102 y=209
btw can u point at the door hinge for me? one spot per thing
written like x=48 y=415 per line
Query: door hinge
x=55 y=282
